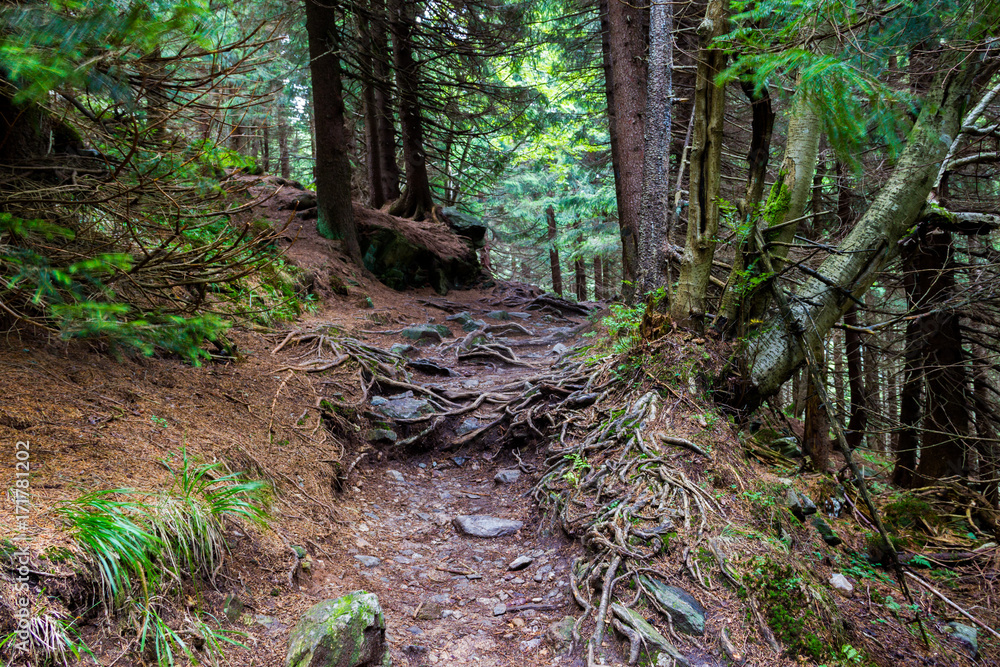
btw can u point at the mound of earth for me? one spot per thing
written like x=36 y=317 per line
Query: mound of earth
x=399 y=252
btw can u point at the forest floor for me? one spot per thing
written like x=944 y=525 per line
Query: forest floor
x=379 y=516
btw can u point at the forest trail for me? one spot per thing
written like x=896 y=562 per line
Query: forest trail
x=452 y=598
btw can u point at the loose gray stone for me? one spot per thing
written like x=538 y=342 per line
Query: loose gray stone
x=403 y=350
x=422 y=333
x=404 y=407
x=649 y=634
x=380 y=435
x=530 y=645
x=521 y=316
x=507 y=476
x=498 y=315
x=842 y=584
x=520 y=563
x=800 y=504
x=466 y=321
x=559 y=348
x=367 y=561
x=270 y=624
x=686 y=613
x=500 y=609
x=966 y=635
x=396 y=475
x=480 y=525
x=233 y=608
x=470 y=384
x=560 y=633
x=826 y=532
x=467 y=426
x=347 y=632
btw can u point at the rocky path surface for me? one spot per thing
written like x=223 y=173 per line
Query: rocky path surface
x=447 y=535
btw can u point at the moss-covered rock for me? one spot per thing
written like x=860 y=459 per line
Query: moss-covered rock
x=346 y=632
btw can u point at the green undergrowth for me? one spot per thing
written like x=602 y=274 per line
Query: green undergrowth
x=143 y=551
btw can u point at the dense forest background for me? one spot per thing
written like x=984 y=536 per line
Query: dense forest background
x=843 y=154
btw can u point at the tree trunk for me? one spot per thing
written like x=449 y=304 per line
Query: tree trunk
x=416 y=201
x=748 y=208
x=579 y=268
x=788 y=197
x=858 y=421
x=333 y=169
x=907 y=438
x=624 y=48
x=873 y=389
x=598 y=279
x=382 y=74
x=987 y=444
x=798 y=395
x=946 y=409
x=373 y=161
x=557 y=286
x=265 y=143
x=688 y=308
x=284 y=161
x=816 y=434
x=838 y=373
x=872 y=242
x=656 y=152
x=606 y=279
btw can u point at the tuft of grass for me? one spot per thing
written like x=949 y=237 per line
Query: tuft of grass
x=122 y=550
x=189 y=518
x=139 y=542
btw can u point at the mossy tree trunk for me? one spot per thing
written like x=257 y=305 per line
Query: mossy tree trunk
x=689 y=302
x=557 y=284
x=819 y=303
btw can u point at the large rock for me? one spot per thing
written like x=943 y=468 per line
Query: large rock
x=402 y=263
x=828 y=534
x=966 y=635
x=686 y=613
x=465 y=225
x=346 y=632
x=466 y=321
x=480 y=525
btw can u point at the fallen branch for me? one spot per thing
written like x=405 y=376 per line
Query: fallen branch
x=954 y=606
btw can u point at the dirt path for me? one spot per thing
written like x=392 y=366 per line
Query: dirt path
x=452 y=598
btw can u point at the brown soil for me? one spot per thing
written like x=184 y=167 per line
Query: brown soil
x=96 y=423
